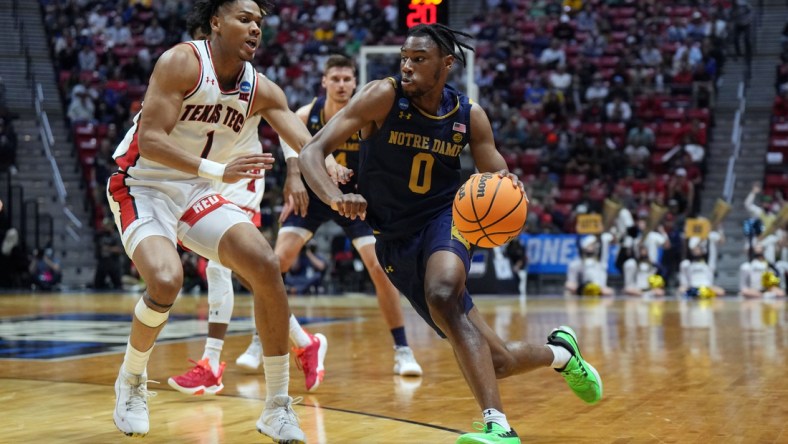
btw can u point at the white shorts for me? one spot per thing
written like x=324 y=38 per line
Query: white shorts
x=247 y=194
x=188 y=212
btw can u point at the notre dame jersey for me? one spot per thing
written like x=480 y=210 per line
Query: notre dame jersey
x=346 y=155
x=410 y=168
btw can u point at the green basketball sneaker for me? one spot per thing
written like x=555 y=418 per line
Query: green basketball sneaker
x=581 y=376
x=492 y=433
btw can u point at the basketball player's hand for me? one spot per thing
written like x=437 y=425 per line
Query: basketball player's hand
x=339 y=174
x=249 y=166
x=296 y=197
x=515 y=180
x=350 y=205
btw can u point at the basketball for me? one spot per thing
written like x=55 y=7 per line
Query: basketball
x=489 y=210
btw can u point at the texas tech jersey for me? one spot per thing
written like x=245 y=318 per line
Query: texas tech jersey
x=209 y=124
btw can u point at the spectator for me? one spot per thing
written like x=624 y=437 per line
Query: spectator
x=45 y=269
x=553 y=56
x=87 y=58
x=741 y=17
x=560 y=79
x=618 y=110
x=81 y=109
x=8 y=146
x=564 y=30
x=542 y=188
x=109 y=256
x=682 y=190
x=118 y=34
x=14 y=262
x=598 y=89
x=154 y=34
x=640 y=142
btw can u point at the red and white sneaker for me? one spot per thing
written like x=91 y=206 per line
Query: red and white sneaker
x=200 y=380
x=310 y=360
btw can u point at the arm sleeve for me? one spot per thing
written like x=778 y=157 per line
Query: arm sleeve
x=288 y=152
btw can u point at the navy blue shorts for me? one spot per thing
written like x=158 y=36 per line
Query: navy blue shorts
x=405 y=262
x=318 y=213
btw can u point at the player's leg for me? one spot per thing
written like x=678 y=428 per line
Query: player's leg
x=310 y=348
x=227 y=235
x=148 y=235
x=159 y=265
x=206 y=375
x=388 y=296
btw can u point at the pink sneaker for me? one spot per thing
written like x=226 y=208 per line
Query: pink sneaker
x=199 y=380
x=310 y=361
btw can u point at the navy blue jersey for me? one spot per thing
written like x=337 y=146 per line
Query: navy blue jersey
x=346 y=155
x=410 y=168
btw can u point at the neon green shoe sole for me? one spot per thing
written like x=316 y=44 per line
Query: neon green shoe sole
x=581 y=376
x=492 y=433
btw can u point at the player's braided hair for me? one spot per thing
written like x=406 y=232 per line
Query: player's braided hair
x=203 y=10
x=446 y=38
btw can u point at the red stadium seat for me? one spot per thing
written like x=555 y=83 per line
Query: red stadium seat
x=701 y=114
x=573 y=181
x=528 y=163
x=568 y=196
x=674 y=114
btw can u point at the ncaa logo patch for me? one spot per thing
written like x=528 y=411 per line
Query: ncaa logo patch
x=245 y=86
x=403 y=104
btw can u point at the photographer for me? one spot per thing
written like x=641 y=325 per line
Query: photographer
x=306 y=274
x=45 y=269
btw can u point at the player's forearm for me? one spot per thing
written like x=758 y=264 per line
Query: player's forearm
x=157 y=147
x=313 y=168
x=293 y=168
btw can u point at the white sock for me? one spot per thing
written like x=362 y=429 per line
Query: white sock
x=135 y=361
x=277 y=375
x=492 y=415
x=561 y=356
x=213 y=351
x=297 y=334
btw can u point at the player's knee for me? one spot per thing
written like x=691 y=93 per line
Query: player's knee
x=260 y=264
x=165 y=284
x=442 y=298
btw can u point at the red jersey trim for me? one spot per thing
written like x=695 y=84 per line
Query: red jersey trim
x=196 y=87
x=202 y=208
x=120 y=193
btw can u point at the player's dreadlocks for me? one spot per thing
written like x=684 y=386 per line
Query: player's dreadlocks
x=446 y=38
x=203 y=10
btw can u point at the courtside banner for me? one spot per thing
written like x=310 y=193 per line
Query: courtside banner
x=551 y=253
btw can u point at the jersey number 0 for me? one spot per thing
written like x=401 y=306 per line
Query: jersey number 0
x=420 y=182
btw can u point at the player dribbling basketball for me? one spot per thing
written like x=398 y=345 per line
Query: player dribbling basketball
x=413 y=128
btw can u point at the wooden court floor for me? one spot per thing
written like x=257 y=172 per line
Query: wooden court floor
x=673 y=371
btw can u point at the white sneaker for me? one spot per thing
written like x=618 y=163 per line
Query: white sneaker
x=252 y=357
x=280 y=422
x=405 y=363
x=131 y=404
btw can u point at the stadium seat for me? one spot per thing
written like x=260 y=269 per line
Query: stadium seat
x=568 y=196
x=528 y=163
x=573 y=181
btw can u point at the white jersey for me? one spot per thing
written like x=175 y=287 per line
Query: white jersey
x=584 y=270
x=210 y=123
x=247 y=194
x=695 y=274
x=752 y=274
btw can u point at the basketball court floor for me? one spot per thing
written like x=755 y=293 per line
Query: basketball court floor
x=673 y=371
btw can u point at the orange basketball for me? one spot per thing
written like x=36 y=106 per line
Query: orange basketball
x=488 y=210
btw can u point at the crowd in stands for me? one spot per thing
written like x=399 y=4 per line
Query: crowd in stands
x=587 y=99
x=600 y=98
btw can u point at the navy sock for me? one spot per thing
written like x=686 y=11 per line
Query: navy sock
x=399 y=336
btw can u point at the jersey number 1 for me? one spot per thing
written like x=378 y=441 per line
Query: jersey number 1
x=420 y=182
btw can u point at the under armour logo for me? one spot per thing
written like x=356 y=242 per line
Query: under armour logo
x=488 y=412
x=210 y=80
x=404 y=115
x=389 y=269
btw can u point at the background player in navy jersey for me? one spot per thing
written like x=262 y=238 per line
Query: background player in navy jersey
x=306 y=213
x=412 y=131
